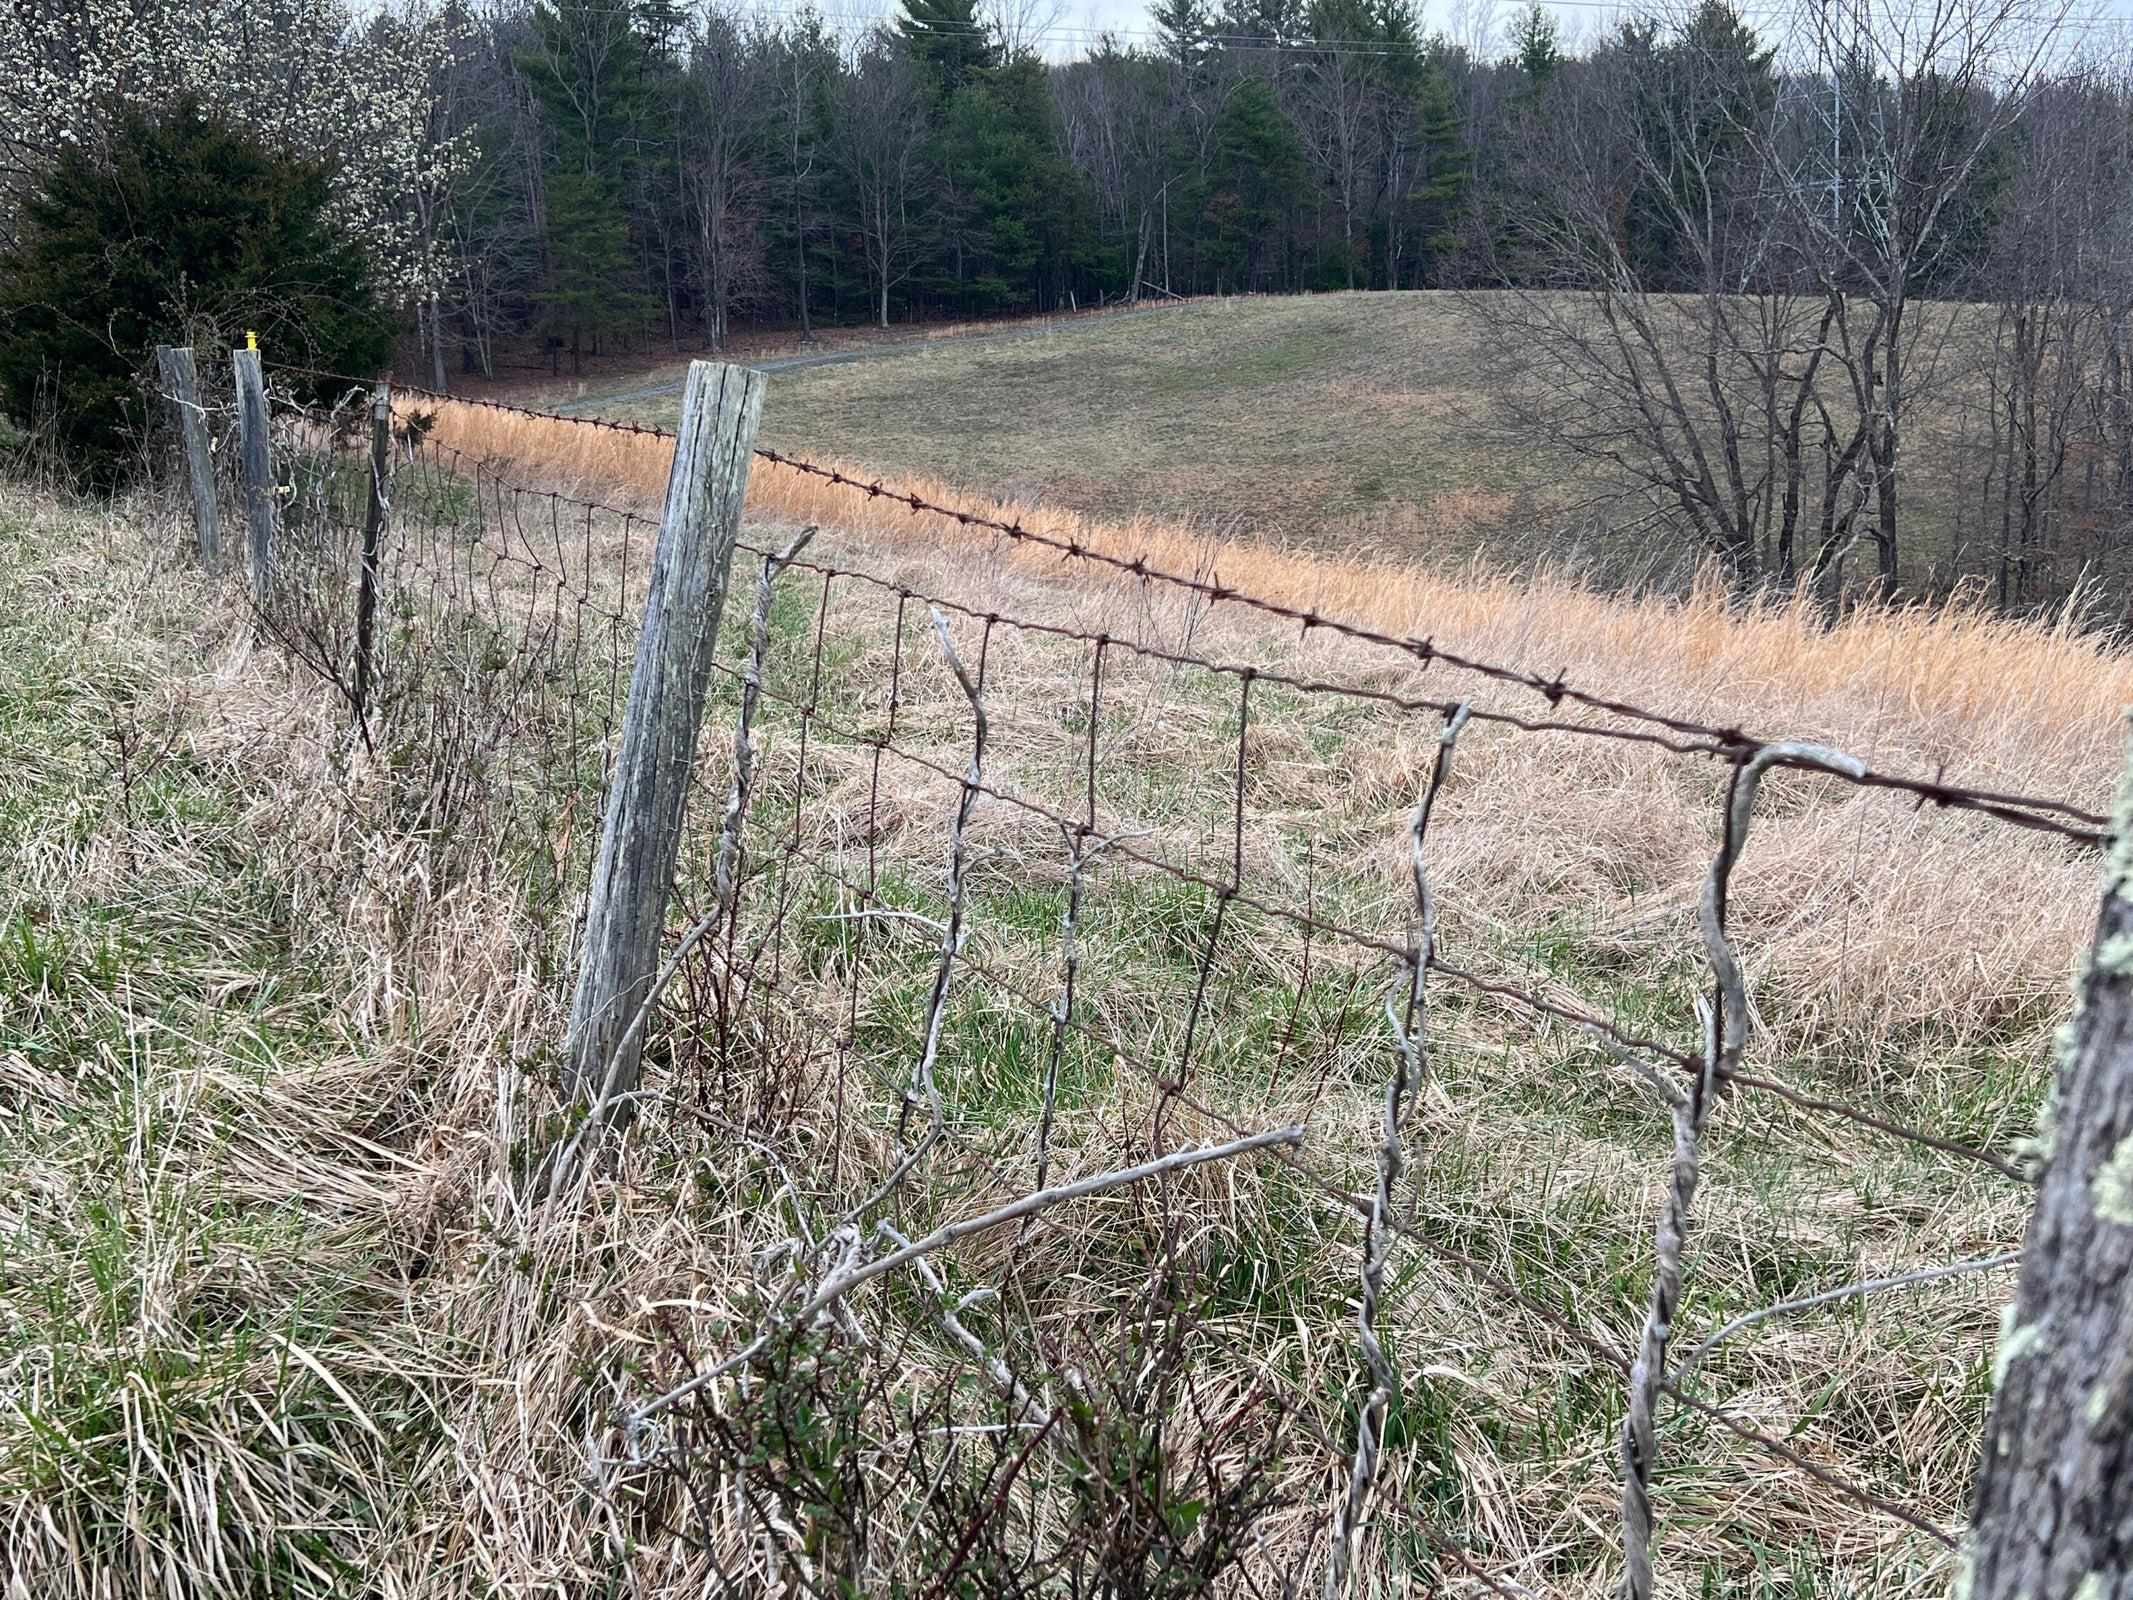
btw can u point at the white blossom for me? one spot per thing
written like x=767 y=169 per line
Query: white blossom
x=306 y=77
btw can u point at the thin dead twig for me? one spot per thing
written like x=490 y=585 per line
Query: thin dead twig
x=842 y=1282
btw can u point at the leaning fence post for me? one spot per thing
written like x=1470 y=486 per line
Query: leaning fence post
x=258 y=470
x=641 y=836
x=182 y=389
x=381 y=420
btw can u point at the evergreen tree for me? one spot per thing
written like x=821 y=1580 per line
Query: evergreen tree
x=593 y=73
x=1021 y=200
x=171 y=228
x=1634 y=60
x=1692 y=101
x=949 y=40
x=1446 y=165
x=589 y=65
x=1949 y=115
x=1244 y=24
x=588 y=291
x=1535 y=47
x=1183 y=29
x=1255 y=176
x=800 y=247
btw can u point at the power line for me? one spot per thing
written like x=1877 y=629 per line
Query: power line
x=1081 y=34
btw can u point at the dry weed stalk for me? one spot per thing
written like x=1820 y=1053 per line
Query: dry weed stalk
x=922 y=1084
x=854 y=1270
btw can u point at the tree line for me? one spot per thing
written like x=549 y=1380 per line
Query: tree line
x=1732 y=271
x=1842 y=299
x=651 y=174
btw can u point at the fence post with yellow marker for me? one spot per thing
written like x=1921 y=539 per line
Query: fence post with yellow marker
x=256 y=462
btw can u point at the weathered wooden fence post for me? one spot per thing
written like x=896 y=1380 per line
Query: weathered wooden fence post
x=2053 y=1513
x=182 y=387
x=258 y=467
x=381 y=423
x=626 y=908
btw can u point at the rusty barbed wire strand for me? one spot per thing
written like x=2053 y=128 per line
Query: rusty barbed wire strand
x=1730 y=743
x=1733 y=743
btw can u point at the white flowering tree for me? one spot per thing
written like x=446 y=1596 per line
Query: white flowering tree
x=306 y=77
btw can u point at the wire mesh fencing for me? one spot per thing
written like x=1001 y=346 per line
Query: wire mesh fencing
x=477 y=631
x=1184 y=1148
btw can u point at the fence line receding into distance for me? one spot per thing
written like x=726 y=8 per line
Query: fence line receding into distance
x=866 y=729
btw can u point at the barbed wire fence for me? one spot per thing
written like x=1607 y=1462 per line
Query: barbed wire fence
x=1106 y=1017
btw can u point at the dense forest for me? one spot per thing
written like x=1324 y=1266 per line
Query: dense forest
x=1721 y=259
x=648 y=171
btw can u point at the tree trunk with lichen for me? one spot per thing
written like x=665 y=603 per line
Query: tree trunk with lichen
x=2053 y=1516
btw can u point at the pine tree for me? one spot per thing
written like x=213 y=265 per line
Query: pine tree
x=803 y=71
x=1245 y=23
x=948 y=39
x=1446 y=163
x=1535 y=49
x=590 y=268
x=1693 y=99
x=1020 y=197
x=1256 y=174
x=592 y=71
x=588 y=66
x=1183 y=28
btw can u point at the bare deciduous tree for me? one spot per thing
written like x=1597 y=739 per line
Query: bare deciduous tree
x=727 y=122
x=880 y=149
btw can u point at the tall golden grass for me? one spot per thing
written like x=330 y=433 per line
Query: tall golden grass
x=2000 y=702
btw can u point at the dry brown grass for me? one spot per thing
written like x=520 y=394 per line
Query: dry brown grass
x=286 y=1113
x=2000 y=703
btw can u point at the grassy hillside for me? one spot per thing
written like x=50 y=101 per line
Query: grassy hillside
x=1358 y=424
x=1346 y=422
x=276 y=1316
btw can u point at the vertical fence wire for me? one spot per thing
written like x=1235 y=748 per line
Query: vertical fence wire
x=506 y=614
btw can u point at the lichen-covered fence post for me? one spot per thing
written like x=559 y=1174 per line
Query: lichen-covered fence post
x=181 y=387
x=257 y=461
x=381 y=420
x=2053 y=1512
x=626 y=908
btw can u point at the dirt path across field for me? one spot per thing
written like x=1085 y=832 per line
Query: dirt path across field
x=833 y=358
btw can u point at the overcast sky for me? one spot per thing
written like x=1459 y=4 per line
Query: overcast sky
x=1066 y=27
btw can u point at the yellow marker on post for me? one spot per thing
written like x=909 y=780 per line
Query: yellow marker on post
x=251 y=340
